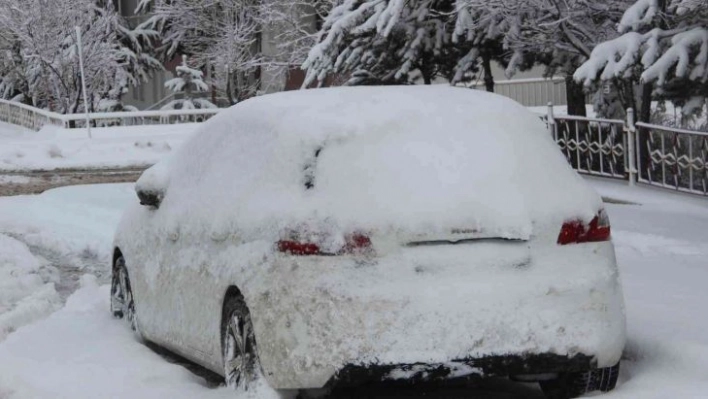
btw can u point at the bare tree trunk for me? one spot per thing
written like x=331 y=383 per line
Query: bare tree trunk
x=644 y=113
x=230 y=88
x=487 y=66
x=575 y=96
x=213 y=85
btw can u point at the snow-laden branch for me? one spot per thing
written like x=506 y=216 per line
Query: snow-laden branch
x=681 y=56
x=677 y=47
x=612 y=58
x=638 y=15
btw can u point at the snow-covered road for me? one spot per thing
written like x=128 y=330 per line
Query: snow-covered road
x=81 y=352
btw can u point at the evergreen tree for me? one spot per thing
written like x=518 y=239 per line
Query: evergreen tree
x=188 y=83
x=663 y=42
x=389 y=41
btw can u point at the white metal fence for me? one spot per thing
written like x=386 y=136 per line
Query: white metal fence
x=34 y=118
x=659 y=156
x=535 y=92
x=26 y=116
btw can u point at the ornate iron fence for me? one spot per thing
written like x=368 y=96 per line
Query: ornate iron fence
x=655 y=155
x=673 y=158
x=592 y=146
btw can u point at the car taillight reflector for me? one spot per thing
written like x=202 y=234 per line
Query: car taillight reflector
x=354 y=244
x=575 y=231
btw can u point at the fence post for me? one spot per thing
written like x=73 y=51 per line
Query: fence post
x=550 y=120
x=631 y=151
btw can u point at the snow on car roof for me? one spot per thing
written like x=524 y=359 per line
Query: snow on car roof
x=411 y=157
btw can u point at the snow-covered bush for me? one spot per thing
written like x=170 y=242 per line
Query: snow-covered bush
x=188 y=82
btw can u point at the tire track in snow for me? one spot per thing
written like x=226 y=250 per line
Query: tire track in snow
x=36 y=182
x=70 y=266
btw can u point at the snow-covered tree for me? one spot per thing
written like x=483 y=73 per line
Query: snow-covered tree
x=392 y=41
x=222 y=37
x=187 y=83
x=453 y=39
x=559 y=34
x=226 y=37
x=663 y=42
x=491 y=28
x=41 y=65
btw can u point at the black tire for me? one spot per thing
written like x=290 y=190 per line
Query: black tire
x=122 y=300
x=240 y=356
x=576 y=384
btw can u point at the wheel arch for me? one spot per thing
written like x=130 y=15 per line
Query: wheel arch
x=231 y=292
x=116 y=254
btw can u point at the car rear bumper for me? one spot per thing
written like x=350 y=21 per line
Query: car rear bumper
x=325 y=316
x=506 y=365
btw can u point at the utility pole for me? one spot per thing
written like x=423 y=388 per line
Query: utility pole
x=83 y=80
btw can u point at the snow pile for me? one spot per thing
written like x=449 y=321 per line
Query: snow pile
x=74 y=222
x=27 y=291
x=71 y=227
x=422 y=159
x=83 y=352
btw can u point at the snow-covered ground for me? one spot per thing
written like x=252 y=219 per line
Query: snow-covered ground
x=114 y=147
x=27 y=286
x=80 y=351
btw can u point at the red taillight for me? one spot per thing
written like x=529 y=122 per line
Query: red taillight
x=354 y=244
x=357 y=243
x=575 y=231
x=298 y=248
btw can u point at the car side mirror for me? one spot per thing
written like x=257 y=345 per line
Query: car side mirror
x=150 y=198
x=152 y=185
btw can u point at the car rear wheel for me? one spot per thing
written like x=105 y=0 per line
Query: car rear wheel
x=241 y=364
x=122 y=302
x=573 y=385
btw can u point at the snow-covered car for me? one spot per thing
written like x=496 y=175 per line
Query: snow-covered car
x=374 y=233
